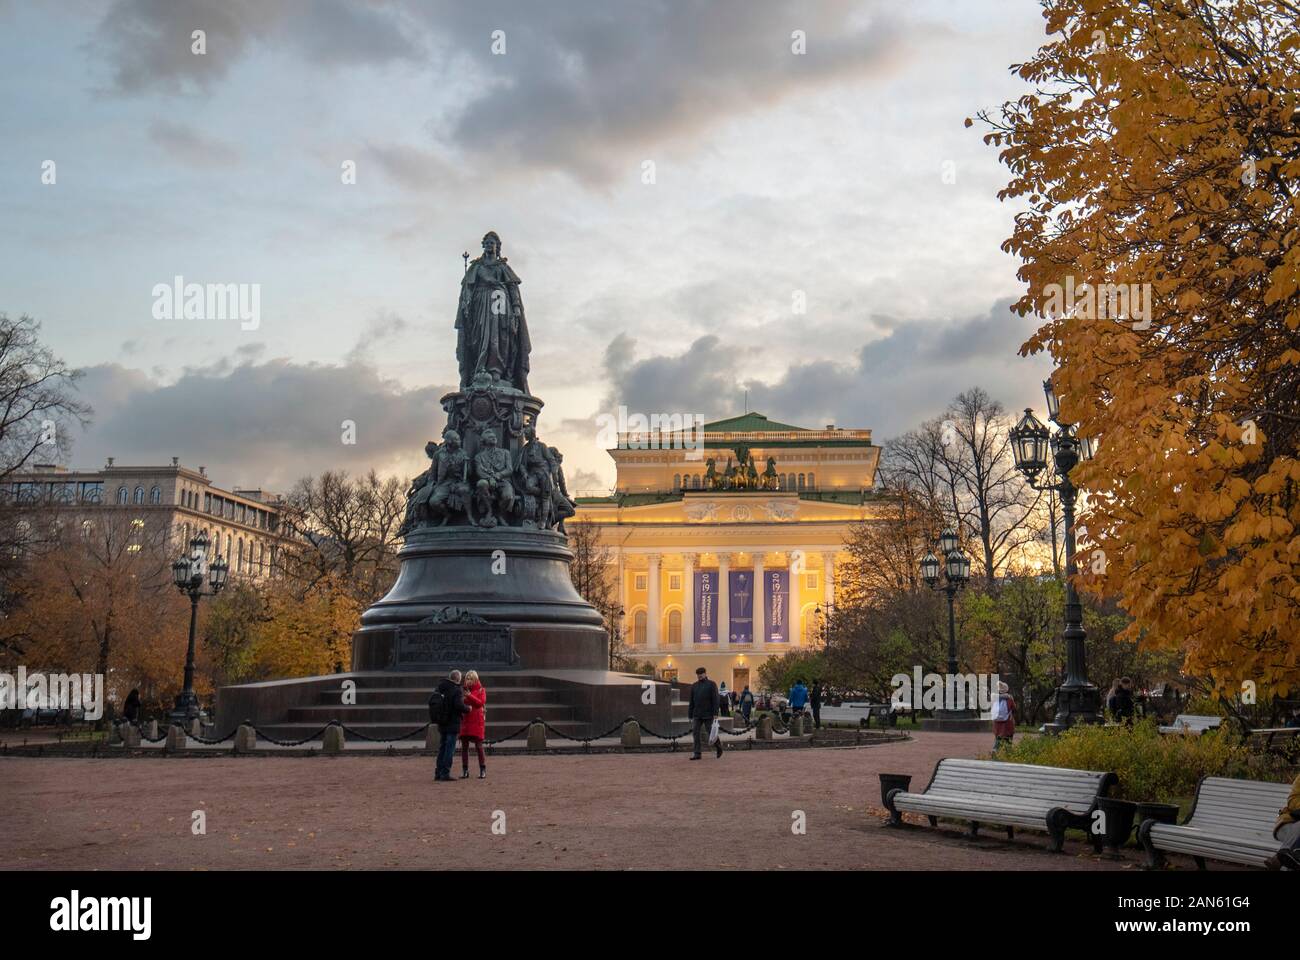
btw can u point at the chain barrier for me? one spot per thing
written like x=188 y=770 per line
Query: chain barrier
x=406 y=736
x=349 y=731
x=509 y=736
x=293 y=743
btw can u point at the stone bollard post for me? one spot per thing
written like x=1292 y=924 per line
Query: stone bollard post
x=796 y=726
x=432 y=739
x=114 y=734
x=196 y=728
x=245 y=738
x=631 y=734
x=130 y=735
x=764 y=731
x=332 y=741
x=175 y=739
x=151 y=729
x=536 y=737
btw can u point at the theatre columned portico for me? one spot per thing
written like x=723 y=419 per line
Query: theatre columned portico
x=727 y=555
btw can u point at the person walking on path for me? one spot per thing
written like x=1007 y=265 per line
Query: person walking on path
x=446 y=708
x=702 y=709
x=1004 y=717
x=815 y=698
x=474 y=727
x=724 y=700
x=746 y=703
x=798 y=696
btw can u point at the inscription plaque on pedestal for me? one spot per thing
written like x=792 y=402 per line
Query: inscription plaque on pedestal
x=447 y=646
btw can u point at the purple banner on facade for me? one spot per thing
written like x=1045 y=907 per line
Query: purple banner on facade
x=706 y=606
x=740 y=610
x=776 y=605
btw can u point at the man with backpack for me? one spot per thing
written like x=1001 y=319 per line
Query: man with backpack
x=446 y=707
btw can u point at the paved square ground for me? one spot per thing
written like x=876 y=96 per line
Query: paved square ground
x=604 y=811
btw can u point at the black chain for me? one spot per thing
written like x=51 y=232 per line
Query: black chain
x=510 y=736
x=294 y=743
x=349 y=731
x=406 y=736
x=143 y=736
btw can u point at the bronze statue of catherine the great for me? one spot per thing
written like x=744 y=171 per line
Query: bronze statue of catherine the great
x=492 y=342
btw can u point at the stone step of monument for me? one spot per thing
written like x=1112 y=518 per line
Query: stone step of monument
x=420 y=695
x=427 y=681
x=495 y=728
x=412 y=715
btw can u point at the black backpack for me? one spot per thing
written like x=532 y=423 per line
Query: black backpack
x=438 y=707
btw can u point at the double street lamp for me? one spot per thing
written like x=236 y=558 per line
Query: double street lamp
x=1077 y=700
x=956 y=574
x=188 y=574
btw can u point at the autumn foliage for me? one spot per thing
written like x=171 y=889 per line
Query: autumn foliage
x=1161 y=146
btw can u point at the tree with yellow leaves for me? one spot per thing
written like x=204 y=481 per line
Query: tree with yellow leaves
x=1158 y=159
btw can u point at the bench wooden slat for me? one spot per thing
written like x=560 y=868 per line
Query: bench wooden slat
x=1231 y=820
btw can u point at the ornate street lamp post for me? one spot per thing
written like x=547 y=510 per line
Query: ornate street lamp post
x=1077 y=700
x=956 y=574
x=187 y=574
x=823 y=619
x=616 y=636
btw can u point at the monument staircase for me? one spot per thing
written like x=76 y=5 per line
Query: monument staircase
x=388 y=705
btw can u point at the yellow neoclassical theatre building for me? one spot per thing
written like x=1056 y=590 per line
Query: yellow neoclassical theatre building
x=726 y=553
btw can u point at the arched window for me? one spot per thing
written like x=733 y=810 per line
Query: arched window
x=87 y=529
x=811 y=627
x=261 y=558
x=677 y=481
x=675 y=627
x=139 y=495
x=230 y=547
x=239 y=564
x=155 y=495
x=638 y=629
x=122 y=495
x=812 y=481
x=801 y=481
x=696 y=482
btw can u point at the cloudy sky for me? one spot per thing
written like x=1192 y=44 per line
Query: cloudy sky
x=843 y=176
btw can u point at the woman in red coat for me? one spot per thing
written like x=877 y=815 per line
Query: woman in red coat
x=474 y=725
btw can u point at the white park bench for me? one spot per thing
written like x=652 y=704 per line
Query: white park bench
x=1231 y=820
x=856 y=713
x=1010 y=794
x=1191 y=723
